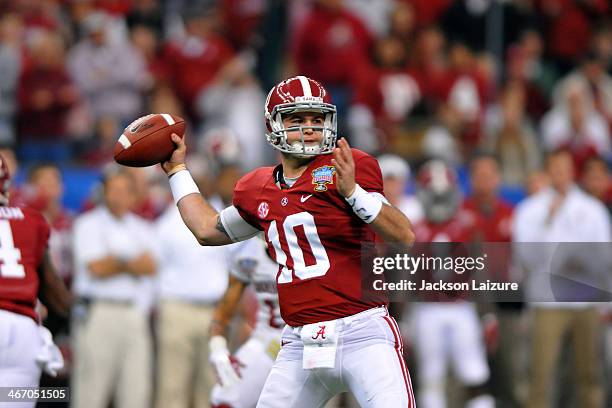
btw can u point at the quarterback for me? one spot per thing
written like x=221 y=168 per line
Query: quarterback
x=315 y=208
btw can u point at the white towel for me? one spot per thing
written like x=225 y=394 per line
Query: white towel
x=50 y=357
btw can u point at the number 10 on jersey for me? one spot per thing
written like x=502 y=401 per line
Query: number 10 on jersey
x=301 y=270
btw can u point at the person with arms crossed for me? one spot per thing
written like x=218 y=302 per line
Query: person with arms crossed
x=26 y=273
x=316 y=208
x=114 y=264
x=241 y=377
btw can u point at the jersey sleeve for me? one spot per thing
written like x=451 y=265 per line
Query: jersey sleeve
x=367 y=172
x=235 y=225
x=245 y=197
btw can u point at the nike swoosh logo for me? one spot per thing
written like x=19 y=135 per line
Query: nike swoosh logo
x=284 y=343
x=304 y=198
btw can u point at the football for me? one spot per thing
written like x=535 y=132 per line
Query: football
x=147 y=140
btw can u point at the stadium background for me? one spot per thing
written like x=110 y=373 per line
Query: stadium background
x=417 y=78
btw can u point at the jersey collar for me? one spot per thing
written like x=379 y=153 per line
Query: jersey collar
x=279 y=179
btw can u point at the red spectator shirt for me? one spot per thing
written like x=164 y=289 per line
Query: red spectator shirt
x=390 y=94
x=489 y=225
x=428 y=12
x=50 y=122
x=314 y=236
x=193 y=63
x=329 y=45
x=241 y=19
x=24 y=236
x=569 y=16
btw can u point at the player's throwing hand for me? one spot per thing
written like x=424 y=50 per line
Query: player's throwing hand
x=345 y=168
x=178 y=155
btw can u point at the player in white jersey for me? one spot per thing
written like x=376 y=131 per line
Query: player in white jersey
x=242 y=376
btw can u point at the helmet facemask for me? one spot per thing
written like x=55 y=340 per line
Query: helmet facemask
x=438 y=191
x=278 y=134
x=439 y=207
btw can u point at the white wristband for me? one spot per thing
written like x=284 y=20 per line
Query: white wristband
x=182 y=184
x=217 y=343
x=365 y=205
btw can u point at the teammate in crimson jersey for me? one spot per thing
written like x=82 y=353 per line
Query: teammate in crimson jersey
x=315 y=208
x=26 y=274
x=447 y=328
x=444 y=223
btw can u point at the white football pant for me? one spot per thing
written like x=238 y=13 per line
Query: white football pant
x=20 y=343
x=447 y=333
x=368 y=362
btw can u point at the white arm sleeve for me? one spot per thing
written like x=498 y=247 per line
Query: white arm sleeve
x=235 y=226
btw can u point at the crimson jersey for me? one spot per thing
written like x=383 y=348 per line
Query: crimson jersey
x=489 y=224
x=492 y=225
x=24 y=236
x=314 y=236
x=457 y=229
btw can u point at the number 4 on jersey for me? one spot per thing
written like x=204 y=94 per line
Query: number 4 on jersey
x=9 y=255
x=321 y=265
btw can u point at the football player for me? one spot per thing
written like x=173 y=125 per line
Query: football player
x=316 y=208
x=26 y=274
x=447 y=329
x=242 y=376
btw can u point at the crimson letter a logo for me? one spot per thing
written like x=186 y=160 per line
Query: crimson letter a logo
x=321 y=333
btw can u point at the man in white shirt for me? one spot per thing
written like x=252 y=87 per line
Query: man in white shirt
x=192 y=279
x=114 y=262
x=563 y=213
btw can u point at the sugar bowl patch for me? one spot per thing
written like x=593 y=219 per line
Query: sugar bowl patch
x=322 y=176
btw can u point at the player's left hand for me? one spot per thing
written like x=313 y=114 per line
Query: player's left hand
x=226 y=366
x=345 y=168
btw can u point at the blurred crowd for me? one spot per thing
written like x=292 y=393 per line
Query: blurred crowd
x=494 y=89
x=422 y=79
